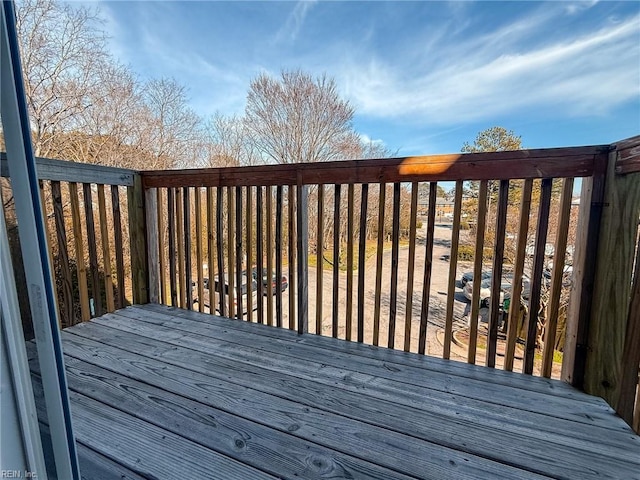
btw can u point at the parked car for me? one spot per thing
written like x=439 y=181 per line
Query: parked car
x=468 y=277
x=284 y=282
x=243 y=291
x=505 y=288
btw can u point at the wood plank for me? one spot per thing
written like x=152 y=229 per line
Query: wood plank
x=536 y=273
x=453 y=264
x=337 y=421
x=222 y=307
x=320 y=260
x=96 y=294
x=171 y=215
x=199 y=253
x=477 y=272
x=379 y=253
x=302 y=196
x=395 y=247
x=269 y=252
x=182 y=292
x=67 y=315
x=153 y=253
x=47 y=235
x=75 y=172
x=556 y=276
x=428 y=265
x=161 y=249
x=349 y=306
x=238 y=249
x=362 y=237
x=413 y=213
x=137 y=243
x=628 y=156
x=535 y=163
x=188 y=280
x=259 y=253
x=261 y=447
x=119 y=248
x=630 y=363
x=106 y=251
x=278 y=240
x=513 y=323
x=584 y=267
x=85 y=312
x=496 y=273
x=336 y=261
x=292 y=256
x=151 y=450
x=211 y=247
x=249 y=230
x=499 y=446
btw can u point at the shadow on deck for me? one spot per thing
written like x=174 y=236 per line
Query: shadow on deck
x=158 y=392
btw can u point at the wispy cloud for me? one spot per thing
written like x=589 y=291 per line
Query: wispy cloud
x=295 y=21
x=500 y=73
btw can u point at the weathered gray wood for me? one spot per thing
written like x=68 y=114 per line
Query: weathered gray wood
x=76 y=172
x=336 y=261
x=320 y=260
x=379 y=252
x=93 y=249
x=269 y=252
x=302 y=226
x=292 y=249
x=186 y=198
x=162 y=264
x=238 y=251
x=358 y=407
x=67 y=315
x=428 y=264
x=413 y=213
x=199 y=251
x=314 y=418
x=278 y=239
x=137 y=242
x=222 y=307
x=83 y=290
x=106 y=251
x=117 y=241
x=171 y=215
x=259 y=253
x=362 y=237
x=349 y=293
x=265 y=448
x=153 y=252
x=249 y=229
x=395 y=248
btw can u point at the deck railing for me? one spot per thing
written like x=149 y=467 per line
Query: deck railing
x=347 y=237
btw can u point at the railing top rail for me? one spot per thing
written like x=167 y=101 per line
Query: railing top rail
x=537 y=163
x=66 y=171
x=628 y=156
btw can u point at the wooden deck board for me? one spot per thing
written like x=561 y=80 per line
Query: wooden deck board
x=169 y=393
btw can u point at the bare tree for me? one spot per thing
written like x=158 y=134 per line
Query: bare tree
x=299 y=119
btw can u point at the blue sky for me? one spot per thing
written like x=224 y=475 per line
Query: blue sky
x=422 y=76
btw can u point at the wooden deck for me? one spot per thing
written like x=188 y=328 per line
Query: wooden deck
x=158 y=392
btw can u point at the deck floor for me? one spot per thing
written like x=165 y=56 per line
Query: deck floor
x=158 y=392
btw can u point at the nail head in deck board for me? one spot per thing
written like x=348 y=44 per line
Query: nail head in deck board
x=516 y=292
x=428 y=265
x=477 y=272
x=336 y=261
x=395 y=247
x=137 y=241
x=117 y=241
x=496 y=273
x=85 y=312
x=536 y=281
x=67 y=313
x=362 y=237
x=453 y=262
x=353 y=405
x=319 y=260
x=411 y=267
x=379 y=253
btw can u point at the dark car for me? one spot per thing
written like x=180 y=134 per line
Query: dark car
x=284 y=282
x=243 y=290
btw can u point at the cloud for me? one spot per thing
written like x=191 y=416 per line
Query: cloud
x=504 y=72
x=367 y=140
x=295 y=20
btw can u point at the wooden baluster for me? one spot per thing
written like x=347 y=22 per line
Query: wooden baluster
x=249 y=269
x=477 y=272
x=85 y=311
x=259 y=254
x=349 y=309
x=66 y=282
x=187 y=248
x=453 y=264
x=161 y=249
x=199 y=256
x=428 y=264
x=513 y=323
x=117 y=241
x=269 y=273
x=336 y=260
x=320 y=260
x=411 y=265
x=379 y=254
x=395 y=248
x=181 y=248
x=93 y=251
x=292 y=257
x=362 y=245
x=231 y=281
x=153 y=252
x=171 y=220
x=302 y=226
x=278 y=291
x=222 y=308
x=238 y=252
x=211 y=249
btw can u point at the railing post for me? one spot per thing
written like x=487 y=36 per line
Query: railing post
x=302 y=221
x=612 y=282
x=153 y=263
x=137 y=241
